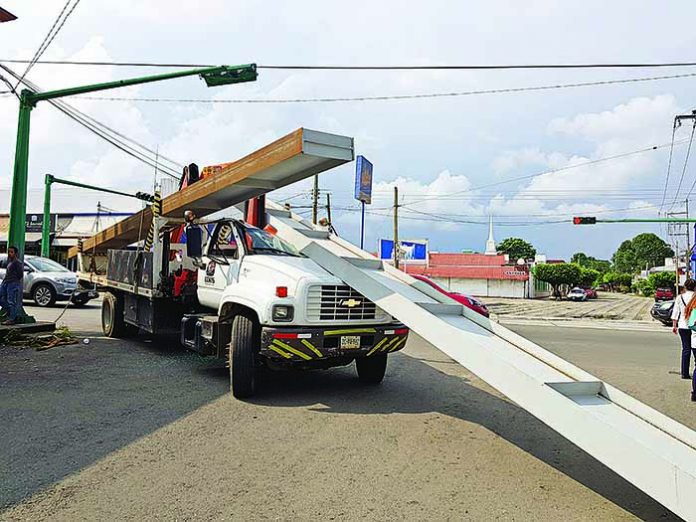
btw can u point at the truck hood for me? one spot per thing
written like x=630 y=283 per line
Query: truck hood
x=284 y=269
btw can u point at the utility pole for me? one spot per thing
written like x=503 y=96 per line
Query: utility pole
x=328 y=208
x=688 y=243
x=396 y=248
x=676 y=267
x=678 y=230
x=28 y=99
x=315 y=199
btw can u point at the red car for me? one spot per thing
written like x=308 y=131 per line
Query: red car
x=466 y=300
x=591 y=293
x=664 y=294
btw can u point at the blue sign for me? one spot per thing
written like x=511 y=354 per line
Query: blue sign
x=416 y=251
x=363 y=180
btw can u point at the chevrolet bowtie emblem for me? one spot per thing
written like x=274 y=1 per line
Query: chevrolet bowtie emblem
x=351 y=303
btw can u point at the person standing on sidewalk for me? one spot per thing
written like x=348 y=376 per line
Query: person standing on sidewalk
x=680 y=325
x=11 y=286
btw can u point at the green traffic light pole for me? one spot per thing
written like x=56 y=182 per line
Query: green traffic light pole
x=49 y=180
x=638 y=220
x=213 y=76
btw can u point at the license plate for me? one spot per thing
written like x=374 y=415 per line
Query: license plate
x=350 y=342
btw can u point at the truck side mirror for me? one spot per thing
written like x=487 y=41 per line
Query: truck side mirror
x=194 y=241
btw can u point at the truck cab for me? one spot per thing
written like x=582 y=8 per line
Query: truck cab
x=271 y=306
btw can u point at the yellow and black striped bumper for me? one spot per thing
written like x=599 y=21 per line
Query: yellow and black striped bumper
x=314 y=344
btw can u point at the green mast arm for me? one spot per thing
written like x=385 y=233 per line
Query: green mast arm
x=212 y=75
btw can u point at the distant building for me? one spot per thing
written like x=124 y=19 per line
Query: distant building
x=483 y=275
x=66 y=229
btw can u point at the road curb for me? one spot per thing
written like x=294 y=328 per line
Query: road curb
x=635 y=326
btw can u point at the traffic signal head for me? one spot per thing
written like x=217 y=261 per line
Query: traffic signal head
x=584 y=220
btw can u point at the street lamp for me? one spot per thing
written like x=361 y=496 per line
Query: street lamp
x=213 y=76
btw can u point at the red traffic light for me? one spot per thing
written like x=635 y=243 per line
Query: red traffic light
x=584 y=220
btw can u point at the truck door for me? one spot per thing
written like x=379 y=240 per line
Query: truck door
x=221 y=265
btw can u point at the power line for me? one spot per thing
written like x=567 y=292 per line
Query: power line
x=394 y=97
x=50 y=36
x=669 y=166
x=686 y=162
x=552 y=171
x=463 y=67
x=100 y=129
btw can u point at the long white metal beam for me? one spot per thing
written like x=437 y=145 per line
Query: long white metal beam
x=647 y=448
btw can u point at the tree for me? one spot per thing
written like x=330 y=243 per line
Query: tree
x=588 y=277
x=617 y=280
x=557 y=274
x=644 y=250
x=650 y=250
x=662 y=280
x=585 y=261
x=517 y=248
x=579 y=258
x=624 y=259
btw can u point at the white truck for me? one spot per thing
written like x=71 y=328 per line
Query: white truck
x=237 y=292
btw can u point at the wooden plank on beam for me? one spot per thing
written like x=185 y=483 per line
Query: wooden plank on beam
x=294 y=157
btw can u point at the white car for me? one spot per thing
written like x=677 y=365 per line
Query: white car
x=577 y=294
x=46 y=282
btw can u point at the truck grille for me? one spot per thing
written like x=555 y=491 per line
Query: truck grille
x=338 y=303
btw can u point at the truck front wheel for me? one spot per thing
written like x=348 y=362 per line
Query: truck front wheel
x=371 y=370
x=112 y=321
x=242 y=352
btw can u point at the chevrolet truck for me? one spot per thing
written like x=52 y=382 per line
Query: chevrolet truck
x=233 y=291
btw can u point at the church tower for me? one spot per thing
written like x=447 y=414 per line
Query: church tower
x=490 y=244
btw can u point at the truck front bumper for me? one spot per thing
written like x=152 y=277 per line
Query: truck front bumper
x=303 y=344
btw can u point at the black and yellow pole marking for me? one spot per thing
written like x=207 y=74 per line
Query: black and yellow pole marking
x=156 y=209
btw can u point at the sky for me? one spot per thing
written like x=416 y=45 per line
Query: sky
x=528 y=159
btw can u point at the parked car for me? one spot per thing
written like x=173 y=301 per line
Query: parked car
x=664 y=294
x=46 y=282
x=662 y=311
x=467 y=300
x=577 y=294
x=591 y=293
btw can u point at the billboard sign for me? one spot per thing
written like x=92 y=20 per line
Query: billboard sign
x=414 y=251
x=34 y=222
x=363 y=180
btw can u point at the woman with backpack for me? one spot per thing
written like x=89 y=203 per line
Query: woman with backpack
x=689 y=315
x=680 y=324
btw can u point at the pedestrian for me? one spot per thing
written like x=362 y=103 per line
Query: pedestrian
x=680 y=320
x=11 y=286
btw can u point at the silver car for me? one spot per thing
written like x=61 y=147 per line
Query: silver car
x=46 y=282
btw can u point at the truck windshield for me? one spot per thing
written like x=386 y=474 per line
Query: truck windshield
x=261 y=242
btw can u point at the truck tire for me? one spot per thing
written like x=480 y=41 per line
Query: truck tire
x=112 y=321
x=43 y=295
x=371 y=370
x=242 y=350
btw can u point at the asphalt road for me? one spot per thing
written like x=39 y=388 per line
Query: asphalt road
x=142 y=430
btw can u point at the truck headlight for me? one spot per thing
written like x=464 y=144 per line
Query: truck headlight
x=283 y=313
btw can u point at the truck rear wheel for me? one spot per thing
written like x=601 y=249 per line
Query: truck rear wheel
x=371 y=370
x=112 y=321
x=242 y=352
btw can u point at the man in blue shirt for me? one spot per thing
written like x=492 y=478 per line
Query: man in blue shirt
x=11 y=286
